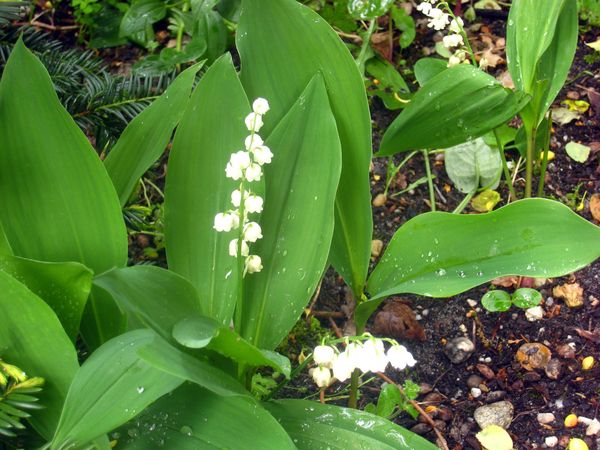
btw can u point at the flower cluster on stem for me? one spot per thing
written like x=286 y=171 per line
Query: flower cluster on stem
x=366 y=353
x=441 y=17
x=246 y=166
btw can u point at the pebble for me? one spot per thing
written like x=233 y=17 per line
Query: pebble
x=549 y=301
x=533 y=356
x=459 y=349
x=499 y=413
x=474 y=381
x=546 y=418
x=532 y=377
x=551 y=441
x=486 y=371
x=421 y=428
x=566 y=351
x=495 y=396
x=425 y=312
x=376 y=248
x=553 y=369
x=593 y=428
x=476 y=392
x=472 y=303
x=534 y=314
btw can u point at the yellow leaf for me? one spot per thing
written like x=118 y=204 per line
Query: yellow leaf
x=595 y=45
x=494 y=437
x=576 y=105
x=485 y=201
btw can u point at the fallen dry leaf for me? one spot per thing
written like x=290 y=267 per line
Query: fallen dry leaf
x=595 y=206
x=563 y=116
x=506 y=281
x=506 y=81
x=572 y=294
x=593 y=336
x=398 y=320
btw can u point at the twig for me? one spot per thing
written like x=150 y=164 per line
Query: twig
x=315 y=296
x=328 y=314
x=429 y=420
x=35 y=23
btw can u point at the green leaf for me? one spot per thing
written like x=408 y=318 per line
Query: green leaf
x=473 y=164
x=203 y=332
x=278 y=61
x=147 y=136
x=441 y=254
x=387 y=75
x=427 y=68
x=406 y=24
x=314 y=426
x=297 y=221
x=211 y=29
x=65 y=287
x=389 y=398
x=526 y=298
x=540 y=50
x=57 y=202
x=113 y=386
x=578 y=152
x=141 y=14
x=496 y=301
x=193 y=419
x=368 y=9
x=196 y=189
x=32 y=338
x=457 y=105
x=151 y=297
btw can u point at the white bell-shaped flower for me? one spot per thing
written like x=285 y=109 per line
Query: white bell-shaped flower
x=252 y=232
x=452 y=40
x=400 y=357
x=233 y=172
x=260 y=106
x=236 y=198
x=233 y=248
x=253 y=204
x=253 y=264
x=253 y=141
x=226 y=222
x=456 y=25
x=253 y=172
x=343 y=366
x=254 y=122
x=439 y=19
x=321 y=376
x=424 y=7
x=324 y=355
x=262 y=154
x=373 y=357
x=240 y=159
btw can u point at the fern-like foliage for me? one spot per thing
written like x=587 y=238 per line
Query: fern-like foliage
x=16 y=398
x=102 y=104
x=12 y=10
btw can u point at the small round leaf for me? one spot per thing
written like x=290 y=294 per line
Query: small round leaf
x=526 y=298
x=496 y=301
x=196 y=332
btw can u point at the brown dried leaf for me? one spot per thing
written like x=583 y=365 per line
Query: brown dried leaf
x=571 y=293
x=506 y=281
x=593 y=336
x=398 y=320
x=533 y=356
x=595 y=206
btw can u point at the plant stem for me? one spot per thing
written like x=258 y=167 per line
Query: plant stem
x=429 y=179
x=393 y=170
x=465 y=202
x=513 y=194
x=545 y=159
x=362 y=56
x=353 y=399
x=531 y=137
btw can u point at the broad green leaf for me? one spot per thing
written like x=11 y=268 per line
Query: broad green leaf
x=441 y=254
x=113 y=386
x=389 y=398
x=209 y=27
x=540 y=51
x=405 y=23
x=195 y=419
x=457 y=105
x=473 y=164
x=141 y=14
x=496 y=300
x=528 y=36
x=368 y=9
x=57 y=203
x=578 y=152
x=203 y=332
x=387 y=74
x=32 y=338
x=297 y=220
x=147 y=136
x=526 y=298
x=65 y=287
x=5 y=248
x=427 y=68
x=278 y=61
x=172 y=361
x=314 y=426
x=211 y=129
x=151 y=297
